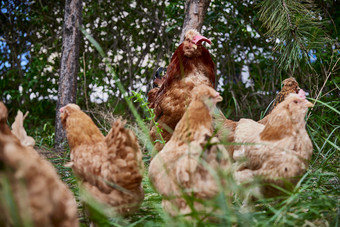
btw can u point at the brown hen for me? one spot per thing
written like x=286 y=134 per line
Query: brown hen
x=109 y=168
x=183 y=167
x=227 y=127
x=190 y=66
x=31 y=184
x=282 y=147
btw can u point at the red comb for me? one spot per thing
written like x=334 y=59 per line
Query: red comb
x=199 y=38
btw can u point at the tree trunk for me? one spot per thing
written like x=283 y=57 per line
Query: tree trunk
x=69 y=68
x=195 y=11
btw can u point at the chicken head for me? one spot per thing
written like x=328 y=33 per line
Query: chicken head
x=208 y=95
x=193 y=43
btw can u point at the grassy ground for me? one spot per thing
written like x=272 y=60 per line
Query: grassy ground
x=314 y=202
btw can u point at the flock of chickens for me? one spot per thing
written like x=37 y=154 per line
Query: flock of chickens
x=195 y=148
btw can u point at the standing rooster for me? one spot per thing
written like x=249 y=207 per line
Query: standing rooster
x=190 y=66
x=187 y=164
x=110 y=168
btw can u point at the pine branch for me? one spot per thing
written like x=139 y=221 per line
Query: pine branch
x=295 y=29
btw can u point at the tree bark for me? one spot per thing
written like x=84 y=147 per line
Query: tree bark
x=69 y=67
x=195 y=11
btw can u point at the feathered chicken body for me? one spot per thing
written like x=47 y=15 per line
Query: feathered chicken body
x=282 y=146
x=227 y=127
x=190 y=66
x=110 y=168
x=180 y=168
x=40 y=197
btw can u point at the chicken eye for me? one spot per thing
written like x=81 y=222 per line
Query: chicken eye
x=295 y=101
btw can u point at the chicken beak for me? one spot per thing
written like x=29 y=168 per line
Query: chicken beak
x=194 y=46
x=218 y=98
x=309 y=104
x=61 y=109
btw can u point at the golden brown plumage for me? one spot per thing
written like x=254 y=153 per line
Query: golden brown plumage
x=190 y=66
x=180 y=168
x=282 y=147
x=40 y=197
x=110 y=168
x=227 y=127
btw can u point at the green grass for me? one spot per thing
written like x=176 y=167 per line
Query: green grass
x=314 y=201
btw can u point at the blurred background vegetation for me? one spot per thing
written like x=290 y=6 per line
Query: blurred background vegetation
x=140 y=36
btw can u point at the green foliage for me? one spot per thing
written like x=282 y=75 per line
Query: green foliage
x=149 y=113
x=138 y=37
x=296 y=29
